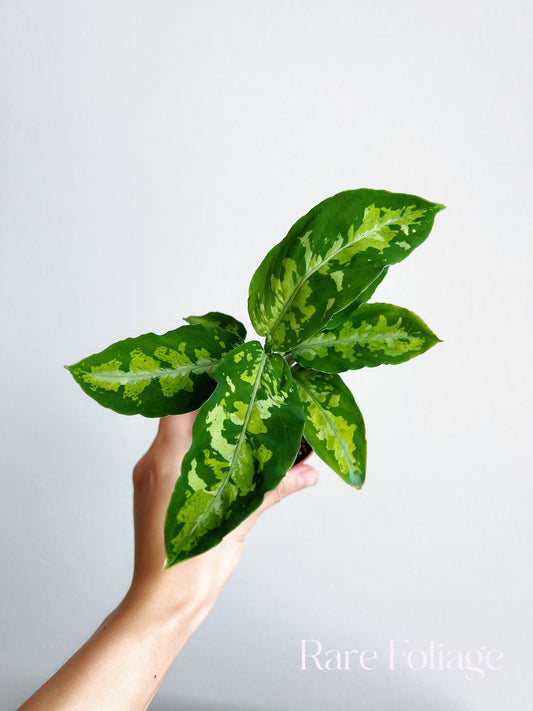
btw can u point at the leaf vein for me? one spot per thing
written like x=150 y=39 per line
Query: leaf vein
x=320 y=265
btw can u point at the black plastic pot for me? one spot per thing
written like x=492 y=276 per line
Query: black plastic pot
x=305 y=451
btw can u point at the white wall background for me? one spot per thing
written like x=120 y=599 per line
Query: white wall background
x=152 y=152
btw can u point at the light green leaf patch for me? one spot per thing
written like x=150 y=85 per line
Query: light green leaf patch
x=330 y=257
x=156 y=375
x=374 y=334
x=334 y=426
x=245 y=437
x=216 y=318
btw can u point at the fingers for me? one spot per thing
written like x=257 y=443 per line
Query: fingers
x=174 y=435
x=299 y=477
x=177 y=425
x=162 y=461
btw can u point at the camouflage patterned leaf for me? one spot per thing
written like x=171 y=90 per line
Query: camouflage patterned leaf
x=329 y=257
x=245 y=437
x=340 y=317
x=334 y=426
x=373 y=334
x=154 y=375
x=215 y=318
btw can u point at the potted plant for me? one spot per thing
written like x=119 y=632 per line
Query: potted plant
x=309 y=299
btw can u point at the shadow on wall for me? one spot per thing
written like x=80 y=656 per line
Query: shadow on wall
x=399 y=702
x=385 y=698
x=15 y=693
x=167 y=704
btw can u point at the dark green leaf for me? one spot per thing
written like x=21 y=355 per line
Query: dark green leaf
x=215 y=318
x=374 y=334
x=340 y=316
x=329 y=257
x=334 y=426
x=245 y=437
x=155 y=375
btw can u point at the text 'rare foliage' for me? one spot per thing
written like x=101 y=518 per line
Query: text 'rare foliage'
x=309 y=299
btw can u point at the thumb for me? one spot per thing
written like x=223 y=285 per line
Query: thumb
x=299 y=477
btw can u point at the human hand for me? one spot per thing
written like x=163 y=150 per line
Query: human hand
x=192 y=585
x=122 y=665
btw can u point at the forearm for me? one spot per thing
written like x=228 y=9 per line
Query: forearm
x=123 y=663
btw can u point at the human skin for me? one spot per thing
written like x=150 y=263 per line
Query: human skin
x=122 y=665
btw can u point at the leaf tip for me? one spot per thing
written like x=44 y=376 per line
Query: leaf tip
x=356 y=480
x=168 y=564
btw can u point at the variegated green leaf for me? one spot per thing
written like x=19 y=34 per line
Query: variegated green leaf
x=215 y=318
x=155 y=375
x=340 y=317
x=334 y=426
x=329 y=257
x=373 y=334
x=245 y=437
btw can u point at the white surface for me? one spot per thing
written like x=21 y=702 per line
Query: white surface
x=151 y=154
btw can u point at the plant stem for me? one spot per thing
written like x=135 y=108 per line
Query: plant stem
x=290 y=360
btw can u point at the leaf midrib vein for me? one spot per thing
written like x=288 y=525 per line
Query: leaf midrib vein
x=309 y=274
x=126 y=376
x=237 y=446
x=329 y=424
x=399 y=335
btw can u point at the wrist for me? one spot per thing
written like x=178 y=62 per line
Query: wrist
x=146 y=610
